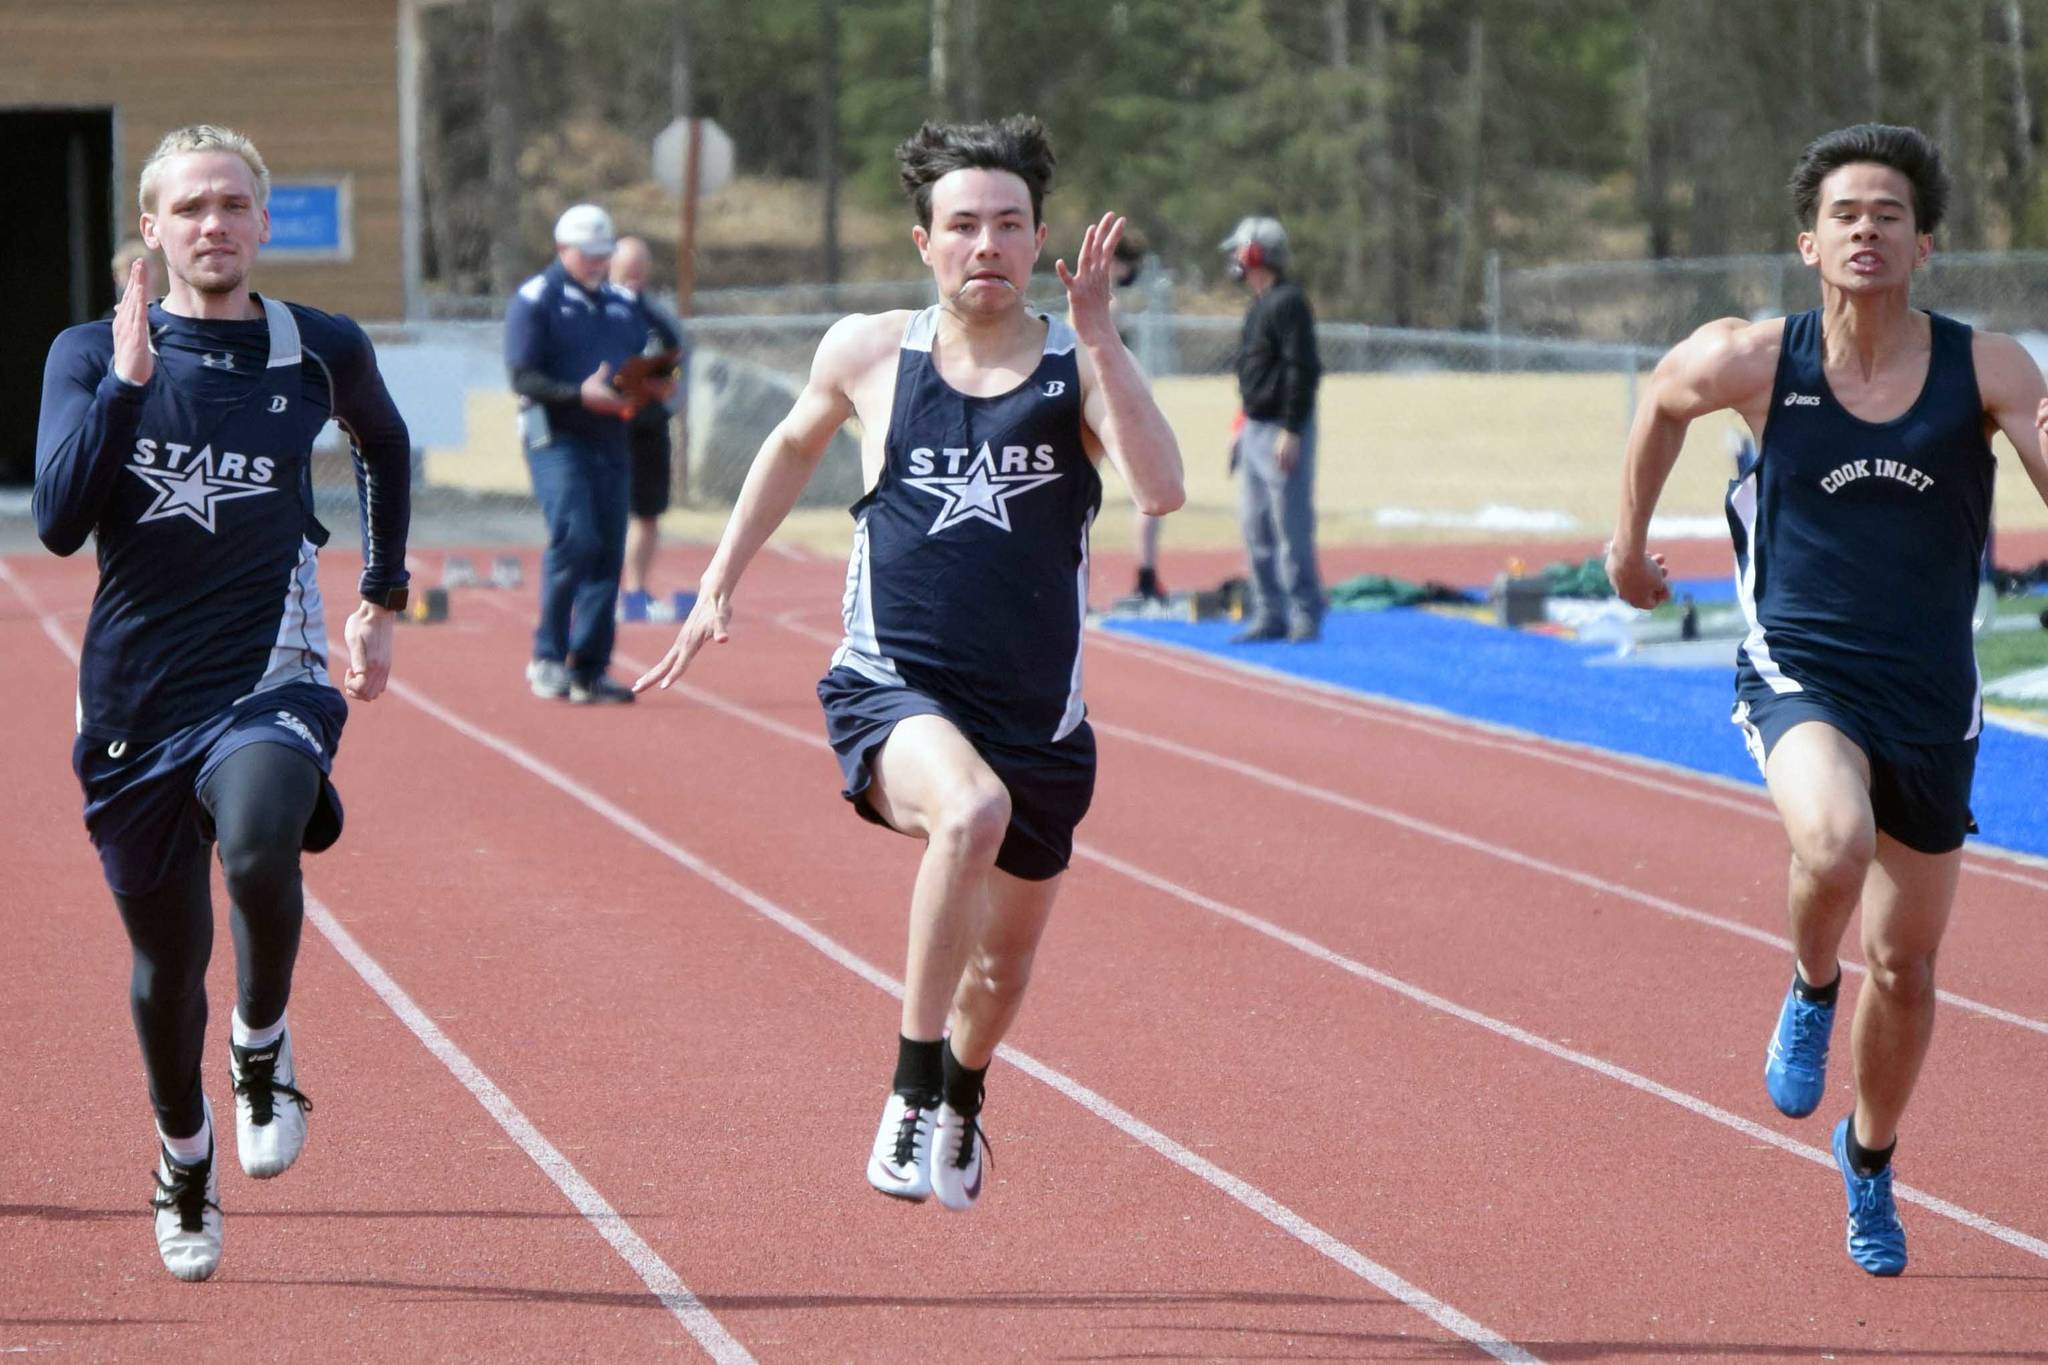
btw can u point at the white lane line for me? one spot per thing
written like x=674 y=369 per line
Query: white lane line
x=1272 y=1210
x=1441 y=724
x=1687 y=783
x=44 y=618
x=1401 y=820
x=1705 y=1109
x=661 y=1280
x=1301 y=943
x=1416 y=825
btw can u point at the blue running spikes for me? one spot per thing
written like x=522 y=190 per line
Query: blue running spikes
x=1877 y=1240
x=1796 y=1065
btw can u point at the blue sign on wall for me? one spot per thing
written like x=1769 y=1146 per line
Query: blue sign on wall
x=309 y=219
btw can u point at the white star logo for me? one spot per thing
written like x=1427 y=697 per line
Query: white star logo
x=192 y=492
x=979 y=495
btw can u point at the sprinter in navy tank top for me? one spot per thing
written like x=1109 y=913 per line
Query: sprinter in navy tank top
x=954 y=701
x=1859 y=524
x=179 y=437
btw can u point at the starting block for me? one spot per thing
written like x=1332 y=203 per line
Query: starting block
x=458 y=571
x=1222 y=603
x=639 y=607
x=1520 y=598
x=427 y=606
x=506 y=571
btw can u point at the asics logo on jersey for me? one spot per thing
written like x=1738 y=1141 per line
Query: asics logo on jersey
x=217 y=360
x=298 y=727
x=1802 y=400
x=1055 y=387
x=983 y=489
x=187 y=485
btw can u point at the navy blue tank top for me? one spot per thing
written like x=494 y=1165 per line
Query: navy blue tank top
x=969 y=574
x=1858 y=545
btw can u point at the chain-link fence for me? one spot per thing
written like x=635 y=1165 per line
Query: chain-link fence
x=1655 y=303
x=1420 y=428
x=1514 y=429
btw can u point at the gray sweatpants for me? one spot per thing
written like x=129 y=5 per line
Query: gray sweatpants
x=1278 y=514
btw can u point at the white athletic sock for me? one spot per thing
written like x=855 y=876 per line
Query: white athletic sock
x=247 y=1037
x=187 y=1151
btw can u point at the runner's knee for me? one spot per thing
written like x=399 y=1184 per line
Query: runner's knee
x=1902 y=975
x=972 y=819
x=1836 y=853
x=260 y=873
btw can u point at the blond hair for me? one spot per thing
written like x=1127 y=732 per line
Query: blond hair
x=202 y=137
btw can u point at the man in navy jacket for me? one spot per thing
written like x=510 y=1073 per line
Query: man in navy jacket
x=569 y=335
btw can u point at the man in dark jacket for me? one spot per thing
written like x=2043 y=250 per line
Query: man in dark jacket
x=1277 y=373
x=569 y=338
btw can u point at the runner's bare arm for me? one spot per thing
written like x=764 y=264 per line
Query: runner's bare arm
x=781 y=468
x=2015 y=401
x=1118 y=414
x=1725 y=364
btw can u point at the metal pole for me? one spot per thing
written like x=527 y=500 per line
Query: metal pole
x=828 y=138
x=1493 y=304
x=686 y=282
x=1628 y=416
x=686 y=231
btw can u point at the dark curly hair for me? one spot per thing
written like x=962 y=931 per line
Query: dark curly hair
x=1017 y=144
x=1908 y=151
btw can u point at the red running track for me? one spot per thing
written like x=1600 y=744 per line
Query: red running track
x=1357 y=1035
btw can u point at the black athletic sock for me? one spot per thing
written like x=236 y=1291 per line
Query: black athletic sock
x=1862 y=1160
x=963 y=1085
x=1148 y=581
x=1817 y=995
x=918 y=1071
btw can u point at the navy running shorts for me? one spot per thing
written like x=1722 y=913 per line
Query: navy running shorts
x=142 y=804
x=648 y=481
x=1919 y=793
x=1050 y=784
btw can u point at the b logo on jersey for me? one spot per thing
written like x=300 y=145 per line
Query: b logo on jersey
x=1055 y=387
x=278 y=402
x=983 y=489
x=186 y=484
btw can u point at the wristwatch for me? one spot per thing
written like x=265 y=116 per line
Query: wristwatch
x=391 y=599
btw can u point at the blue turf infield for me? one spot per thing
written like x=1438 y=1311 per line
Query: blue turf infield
x=1566 y=690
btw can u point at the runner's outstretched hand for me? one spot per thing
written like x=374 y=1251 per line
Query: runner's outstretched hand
x=707 y=621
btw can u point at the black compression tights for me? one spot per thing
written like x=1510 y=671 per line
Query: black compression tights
x=260 y=799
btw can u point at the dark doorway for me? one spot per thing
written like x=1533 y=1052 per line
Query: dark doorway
x=62 y=162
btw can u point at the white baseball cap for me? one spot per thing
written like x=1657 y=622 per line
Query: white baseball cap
x=1264 y=233
x=588 y=228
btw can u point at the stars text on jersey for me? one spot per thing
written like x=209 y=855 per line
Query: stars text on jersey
x=192 y=485
x=980 y=491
